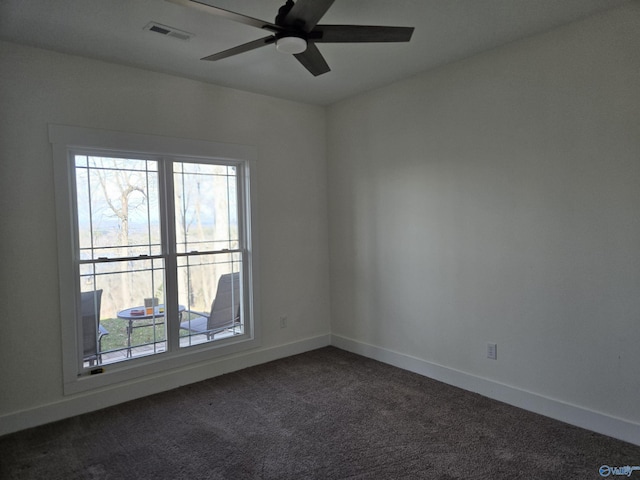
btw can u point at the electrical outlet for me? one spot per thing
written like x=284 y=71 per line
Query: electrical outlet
x=492 y=351
x=283 y=321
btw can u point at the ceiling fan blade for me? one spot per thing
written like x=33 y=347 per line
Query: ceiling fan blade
x=306 y=14
x=313 y=60
x=261 y=42
x=360 y=33
x=229 y=15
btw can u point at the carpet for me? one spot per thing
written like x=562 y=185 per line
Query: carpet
x=325 y=414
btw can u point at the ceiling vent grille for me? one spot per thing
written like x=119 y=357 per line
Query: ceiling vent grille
x=168 y=31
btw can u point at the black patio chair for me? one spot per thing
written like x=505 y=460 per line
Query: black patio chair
x=225 y=309
x=92 y=331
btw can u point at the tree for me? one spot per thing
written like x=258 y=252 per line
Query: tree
x=122 y=189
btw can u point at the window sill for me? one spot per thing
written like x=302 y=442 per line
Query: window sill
x=135 y=369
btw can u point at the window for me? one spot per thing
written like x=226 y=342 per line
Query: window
x=157 y=260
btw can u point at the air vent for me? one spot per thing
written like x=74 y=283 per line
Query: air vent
x=168 y=31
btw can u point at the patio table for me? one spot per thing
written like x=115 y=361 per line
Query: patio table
x=134 y=314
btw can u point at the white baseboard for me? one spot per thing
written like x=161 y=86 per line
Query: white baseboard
x=92 y=401
x=556 y=409
x=88 y=402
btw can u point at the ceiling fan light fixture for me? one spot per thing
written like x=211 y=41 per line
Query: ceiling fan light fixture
x=291 y=45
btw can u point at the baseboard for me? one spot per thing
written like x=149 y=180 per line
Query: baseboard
x=92 y=401
x=77 y=405
x=556 y=409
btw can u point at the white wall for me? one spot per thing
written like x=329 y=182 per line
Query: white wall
x=38 y=87
x=497 y=199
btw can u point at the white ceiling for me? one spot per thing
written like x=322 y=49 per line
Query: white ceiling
x=445 y=31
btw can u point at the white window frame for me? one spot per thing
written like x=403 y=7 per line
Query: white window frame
x=65 y=140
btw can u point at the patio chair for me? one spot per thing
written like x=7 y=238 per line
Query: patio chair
x=92 y=331
x=225 y=309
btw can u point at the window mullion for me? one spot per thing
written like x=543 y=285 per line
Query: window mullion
x=167 y=214
x=243 y=224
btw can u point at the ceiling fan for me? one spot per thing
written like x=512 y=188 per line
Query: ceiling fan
x=296 y=31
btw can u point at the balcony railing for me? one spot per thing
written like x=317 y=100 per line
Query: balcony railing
x=145 y=340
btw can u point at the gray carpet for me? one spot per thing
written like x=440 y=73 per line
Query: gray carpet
x=326 y=414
